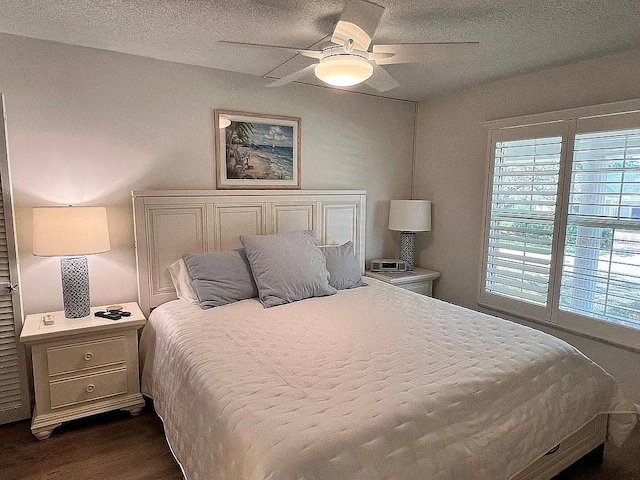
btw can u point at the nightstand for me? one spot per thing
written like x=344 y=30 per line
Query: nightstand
x=83 y=366
x=420 y=280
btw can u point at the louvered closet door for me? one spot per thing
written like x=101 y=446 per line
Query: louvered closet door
x=14 y=393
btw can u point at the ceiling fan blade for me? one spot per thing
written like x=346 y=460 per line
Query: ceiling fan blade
x=378 y=56
x=257 y=45
x=358 y=21
x=297 y=75
x=311 y=53
x=422 y=52
x=306 y=53
x=381 y=80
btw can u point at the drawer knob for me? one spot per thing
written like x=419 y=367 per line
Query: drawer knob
x=90 y=388
x=88 y=356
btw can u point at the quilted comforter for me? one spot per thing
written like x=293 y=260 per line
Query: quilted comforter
x=370 y=383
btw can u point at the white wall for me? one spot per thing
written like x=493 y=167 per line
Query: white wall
x=88 y=126
x=451 y=147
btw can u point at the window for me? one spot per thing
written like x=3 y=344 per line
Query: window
x=523 y=206
x=562 y=224
x=601 y=267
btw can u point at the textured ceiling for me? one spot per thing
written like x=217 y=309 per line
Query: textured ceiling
x=516 y=36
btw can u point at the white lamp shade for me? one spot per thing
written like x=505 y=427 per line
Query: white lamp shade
x=343 y=70
x=70 y=231
x=410 y=215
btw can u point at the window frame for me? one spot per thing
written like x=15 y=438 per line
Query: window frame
x=565 y=123
x=503 y=303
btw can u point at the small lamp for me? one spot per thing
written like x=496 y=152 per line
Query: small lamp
x=71 y=233
x=409 y=217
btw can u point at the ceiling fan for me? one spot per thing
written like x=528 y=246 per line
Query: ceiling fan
x=347 y=61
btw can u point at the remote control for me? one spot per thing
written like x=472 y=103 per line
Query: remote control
x=108 y=315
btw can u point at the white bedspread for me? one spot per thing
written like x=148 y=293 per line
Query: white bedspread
x=370 y=383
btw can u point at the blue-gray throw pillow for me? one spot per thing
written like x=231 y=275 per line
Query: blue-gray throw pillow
x=220 y=278
x=287 y=267
x=344 y=271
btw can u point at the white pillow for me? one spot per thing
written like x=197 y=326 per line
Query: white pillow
x=182 y=281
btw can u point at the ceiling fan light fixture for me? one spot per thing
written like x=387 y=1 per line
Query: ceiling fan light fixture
x=344 y=70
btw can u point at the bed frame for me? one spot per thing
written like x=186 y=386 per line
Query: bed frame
x=171 y=223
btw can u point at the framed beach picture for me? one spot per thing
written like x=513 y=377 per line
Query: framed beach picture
x=256 y=151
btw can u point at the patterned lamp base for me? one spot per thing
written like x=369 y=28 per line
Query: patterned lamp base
x=407 y=245
x=75 y=286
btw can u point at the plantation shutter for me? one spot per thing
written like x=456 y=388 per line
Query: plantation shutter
x=520 y=230
x=601 y=266
x=14 y=394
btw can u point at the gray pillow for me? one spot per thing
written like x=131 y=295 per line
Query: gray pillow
x=287 y=267
x=344 y=271
x=220 y=278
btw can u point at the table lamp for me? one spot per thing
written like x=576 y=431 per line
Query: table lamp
x=409 y=217
x=71 y=233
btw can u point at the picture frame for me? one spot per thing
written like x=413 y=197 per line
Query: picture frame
x=256 y=151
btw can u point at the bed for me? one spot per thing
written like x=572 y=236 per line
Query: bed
x=372 y=382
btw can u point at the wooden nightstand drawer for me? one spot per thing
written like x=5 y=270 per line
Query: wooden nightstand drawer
x=423 y=288
x=89 y=387
x=80 y=356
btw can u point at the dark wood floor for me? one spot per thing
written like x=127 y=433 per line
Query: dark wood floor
x=115 y=446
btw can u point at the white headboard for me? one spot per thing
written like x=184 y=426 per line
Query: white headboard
x=171 y=223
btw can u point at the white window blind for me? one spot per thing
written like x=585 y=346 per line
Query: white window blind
x=562 y=221
x=523 y=207
x=601 y=267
